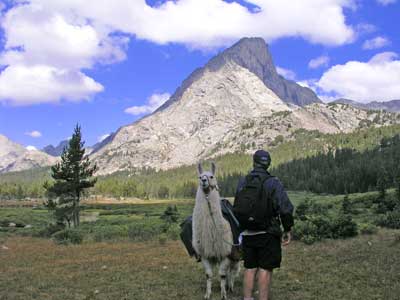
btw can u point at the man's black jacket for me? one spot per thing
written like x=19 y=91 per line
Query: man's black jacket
x=274 y=191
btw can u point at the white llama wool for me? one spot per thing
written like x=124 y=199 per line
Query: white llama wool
x=212 y=236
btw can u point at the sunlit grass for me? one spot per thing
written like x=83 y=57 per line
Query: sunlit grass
x=366 y=267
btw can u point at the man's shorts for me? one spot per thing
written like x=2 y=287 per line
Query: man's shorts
x=262 y=251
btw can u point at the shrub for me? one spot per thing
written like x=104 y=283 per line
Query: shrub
x=309 y=239
x=144 y=231
x=103 y=233
x=323 y=225
x=50 y=229
x=4 y=223
x=344 y=226
x=68 y=236
x=162 y=239
x=346 y=205
x=309 y=207
x=170 y=215
x=366 y=228
x=390 y=219
x=173 y=232
x=304 y=228
x=318 y=227
x=385 y=205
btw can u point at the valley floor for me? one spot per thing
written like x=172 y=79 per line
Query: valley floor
x=365 y=267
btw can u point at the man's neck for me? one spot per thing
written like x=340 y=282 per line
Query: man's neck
x=259 y=168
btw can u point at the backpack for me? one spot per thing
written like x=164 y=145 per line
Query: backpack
x=250 y=208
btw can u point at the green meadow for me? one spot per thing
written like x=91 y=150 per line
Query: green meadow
x=129 y=251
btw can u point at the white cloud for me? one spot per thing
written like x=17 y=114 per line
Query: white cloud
x=321 y=61
x=34 y=134
x=365 y=28
x=286 y=73
x=23 y=85
x=45 y=52
x=153 y=102
x=386 y=2
x=103 y=137
x=69 y=36
x=377 y=79
x=31 y=148
x=375 y=43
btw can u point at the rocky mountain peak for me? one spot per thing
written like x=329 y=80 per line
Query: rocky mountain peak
x=252 y=54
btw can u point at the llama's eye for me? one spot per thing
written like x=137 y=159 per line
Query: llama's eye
x=211 y=177
x=199 y=177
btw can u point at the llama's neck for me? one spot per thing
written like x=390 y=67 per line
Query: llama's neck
x=211 y=203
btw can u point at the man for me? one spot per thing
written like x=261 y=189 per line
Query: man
x=261 y=221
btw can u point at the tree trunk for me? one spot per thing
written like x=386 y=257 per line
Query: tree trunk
x=78 y=209
x=74 y=214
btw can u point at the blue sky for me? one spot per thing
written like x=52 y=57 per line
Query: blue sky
x=69 y=61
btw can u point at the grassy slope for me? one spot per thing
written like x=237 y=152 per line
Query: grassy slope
x=365 y=267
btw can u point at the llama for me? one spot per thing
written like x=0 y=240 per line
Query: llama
x=212 y=236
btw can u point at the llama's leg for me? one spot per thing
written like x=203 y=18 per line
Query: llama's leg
x=208 y=268
x=223 y=270
x=233 y=273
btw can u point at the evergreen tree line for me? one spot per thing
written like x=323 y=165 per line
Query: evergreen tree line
x=345 y=170
x=182 y=182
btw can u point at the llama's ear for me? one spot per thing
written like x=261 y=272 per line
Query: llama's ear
x=199 y=169
x=213 y=168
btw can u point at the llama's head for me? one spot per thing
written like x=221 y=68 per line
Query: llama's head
x=207 y=180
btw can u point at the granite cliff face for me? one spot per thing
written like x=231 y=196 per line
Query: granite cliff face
x=15 y=157
x=234 y=103
x=210 y=110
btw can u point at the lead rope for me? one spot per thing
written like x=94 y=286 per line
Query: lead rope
x=215 y=224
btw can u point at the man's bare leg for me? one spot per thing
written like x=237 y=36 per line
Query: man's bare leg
x=264 y=280
x=248 y=283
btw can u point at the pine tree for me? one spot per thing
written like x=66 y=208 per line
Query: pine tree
x=346 y=205
x=382 y=183
x=398 y=189
x=72 y=176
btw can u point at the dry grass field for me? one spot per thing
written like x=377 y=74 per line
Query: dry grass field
x=365 y=267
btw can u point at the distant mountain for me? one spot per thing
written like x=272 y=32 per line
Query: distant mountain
x=55 y=151
x=390 y=106
x=233 y=104
x=15 y=157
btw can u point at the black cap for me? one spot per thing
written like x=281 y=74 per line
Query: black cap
x=262 y=157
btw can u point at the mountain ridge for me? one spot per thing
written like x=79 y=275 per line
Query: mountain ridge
x=390 y=106
x=15 y=157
